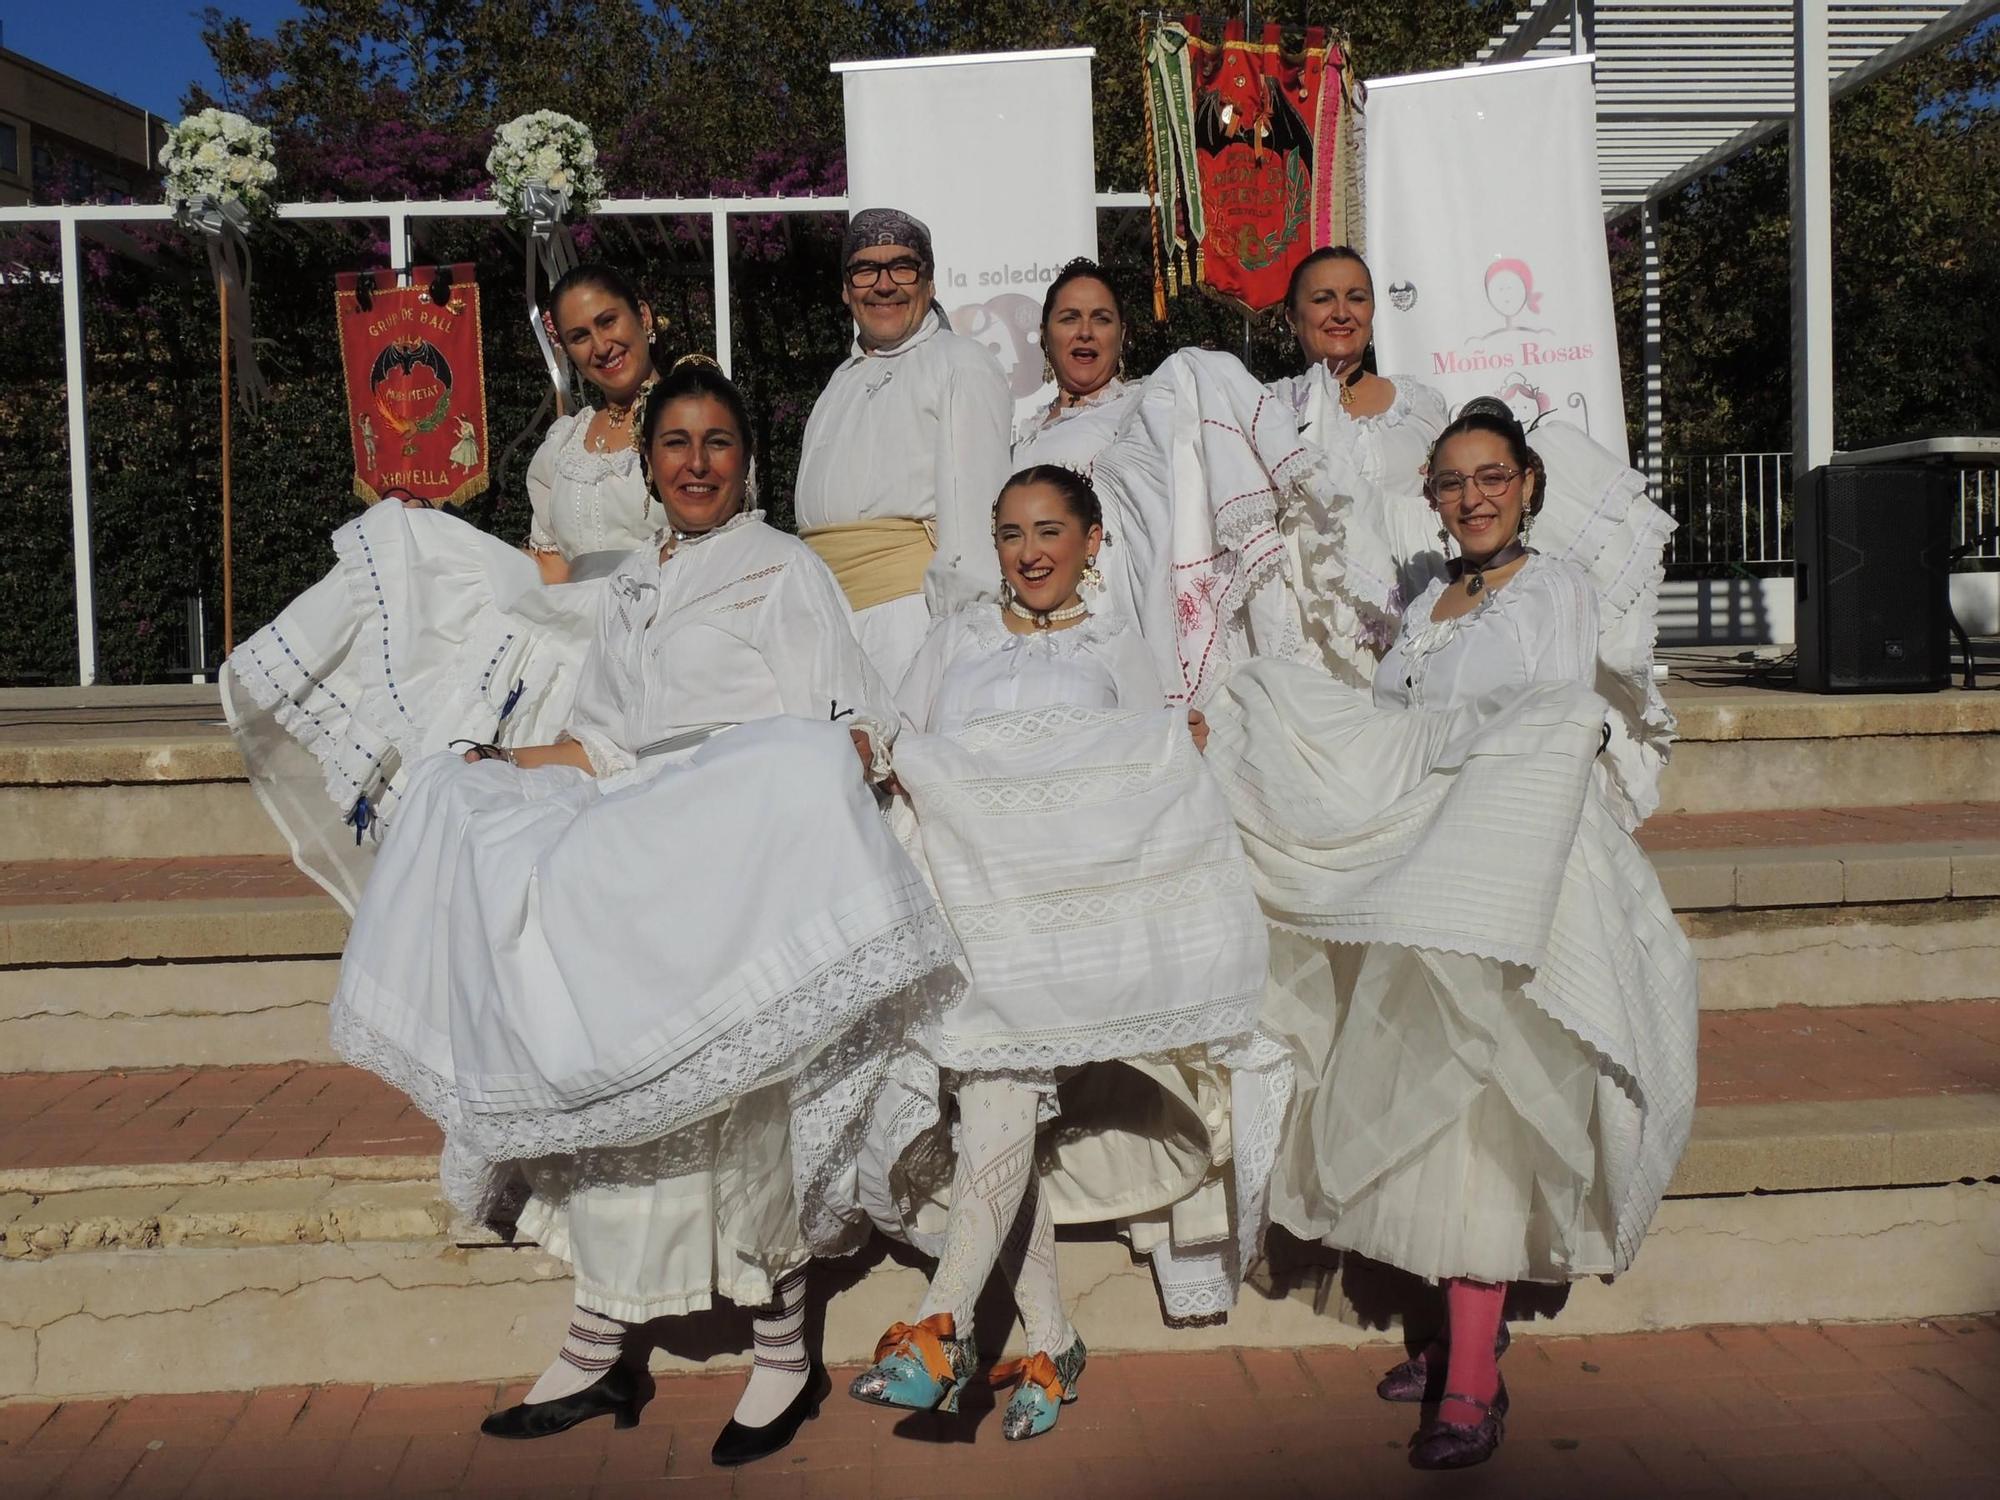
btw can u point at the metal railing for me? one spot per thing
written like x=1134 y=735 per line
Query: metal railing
x=398 y=216
x=1735 y=509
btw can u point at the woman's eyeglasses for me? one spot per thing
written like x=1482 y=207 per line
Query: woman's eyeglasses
x=862 y=274
x=1491 y=482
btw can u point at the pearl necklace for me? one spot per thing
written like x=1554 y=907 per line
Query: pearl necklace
x=1042 y=619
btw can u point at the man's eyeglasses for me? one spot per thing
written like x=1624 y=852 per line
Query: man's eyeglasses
x=862 y=274
x=1491 y=482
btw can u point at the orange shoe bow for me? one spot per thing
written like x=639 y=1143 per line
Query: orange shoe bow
x=1036 y=1369
x=926 y=1339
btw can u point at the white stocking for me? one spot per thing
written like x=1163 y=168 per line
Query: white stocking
x=996 y=1202
x=1029 y=1257
x=591 y=1347
x=780 y=1366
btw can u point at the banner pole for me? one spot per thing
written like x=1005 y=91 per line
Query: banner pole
x=228 y=575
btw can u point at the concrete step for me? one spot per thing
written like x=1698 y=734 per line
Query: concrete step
x=286 y=1223
x=138 y=773
x=139 y=784
x=213 y=962
x=1751 y=749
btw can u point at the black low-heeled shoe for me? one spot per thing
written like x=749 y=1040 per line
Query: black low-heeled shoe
x=621 y=1391
x=741 y=1445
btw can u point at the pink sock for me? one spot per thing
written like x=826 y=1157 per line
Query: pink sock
x=1472 y=1309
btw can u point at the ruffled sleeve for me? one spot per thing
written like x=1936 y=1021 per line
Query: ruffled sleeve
x=542 y=482
x=597 y=719
x=975 y=420
x=1422 y=405
x=805 y=633
x=1131 y=665
x=917 y=694
x=1556 y=623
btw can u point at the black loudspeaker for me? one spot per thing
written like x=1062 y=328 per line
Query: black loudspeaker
x=1872 y=590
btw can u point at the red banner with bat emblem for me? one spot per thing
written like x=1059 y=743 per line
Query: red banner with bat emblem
x=416 y=383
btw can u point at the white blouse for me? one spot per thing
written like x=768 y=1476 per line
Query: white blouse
x=1539 y=626
x=972 y=664
x=584 y=500
x=1389 y=447
x=918 y=432
x=1074 y=436
x=741 y=623
x=1389 y=450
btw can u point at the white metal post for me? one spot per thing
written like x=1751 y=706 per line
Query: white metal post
x=399 y=243
x=79 y=457
x=1652 y=355
x=1812 y=241
x=719 y=261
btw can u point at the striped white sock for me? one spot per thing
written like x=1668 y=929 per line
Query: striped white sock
x=778 y=1370
x=591 y=1347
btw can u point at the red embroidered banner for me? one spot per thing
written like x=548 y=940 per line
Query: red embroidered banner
x=416 y=383
x=1253 y=161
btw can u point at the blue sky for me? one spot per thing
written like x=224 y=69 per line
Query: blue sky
x=146 y=52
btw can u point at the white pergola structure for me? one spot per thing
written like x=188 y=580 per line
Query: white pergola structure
x=1684 y=85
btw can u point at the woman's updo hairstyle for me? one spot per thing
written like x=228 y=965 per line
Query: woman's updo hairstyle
x=1083 y=268
x=1079 y=496
x=1319 y=257
x=694 y=375
x=1490 y=414
x=598 y=276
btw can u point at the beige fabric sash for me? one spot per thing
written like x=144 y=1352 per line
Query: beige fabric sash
x=876 y=561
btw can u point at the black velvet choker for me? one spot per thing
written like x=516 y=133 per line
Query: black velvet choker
x=1474 y=573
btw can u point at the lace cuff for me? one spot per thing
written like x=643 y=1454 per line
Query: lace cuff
x=880 y=737
x=607 y=757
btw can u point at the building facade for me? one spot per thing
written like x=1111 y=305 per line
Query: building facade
x=64 y=141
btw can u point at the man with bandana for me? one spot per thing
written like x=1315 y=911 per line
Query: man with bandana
x=906 y=449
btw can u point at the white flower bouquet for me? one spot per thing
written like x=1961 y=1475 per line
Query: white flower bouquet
x=544 y=168
x=219 y=167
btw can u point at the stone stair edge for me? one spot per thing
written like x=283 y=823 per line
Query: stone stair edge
x=1737 y=1150
x=1708 y=720
x=1697 y=879
x=98 y=932
x=162 y=759
x=183 y=751
x=1828 y=874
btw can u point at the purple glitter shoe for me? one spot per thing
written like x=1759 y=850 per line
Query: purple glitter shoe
x=1439 y=1444
x=1418 y=1378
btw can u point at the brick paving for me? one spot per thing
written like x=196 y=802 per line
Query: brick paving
x=65 y=881
x=296 y=1110
x=62 y=882
x=1903 y=1411
x=1919 y=823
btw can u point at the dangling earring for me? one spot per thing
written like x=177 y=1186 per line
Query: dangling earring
x=1048 y=371
x=1006 y=593
x=1092 y=581
x=1119 y=373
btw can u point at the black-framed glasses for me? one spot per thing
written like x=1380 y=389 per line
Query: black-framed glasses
x=1491 y=481
x=862 y=274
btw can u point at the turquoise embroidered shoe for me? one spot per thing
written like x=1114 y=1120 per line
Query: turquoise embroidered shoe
x=919 y=1366
x=1047 y=1386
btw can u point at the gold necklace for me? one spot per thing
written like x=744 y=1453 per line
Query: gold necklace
x=619 y=418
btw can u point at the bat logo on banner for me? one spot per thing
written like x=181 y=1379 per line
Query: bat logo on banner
x=406 y=355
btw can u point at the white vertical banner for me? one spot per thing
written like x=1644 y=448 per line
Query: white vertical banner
x=995 y=153
x=1486 y=240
